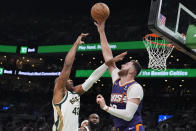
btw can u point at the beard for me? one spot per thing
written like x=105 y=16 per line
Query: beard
x=69 y=87
x=93 y=125
x=123 y=72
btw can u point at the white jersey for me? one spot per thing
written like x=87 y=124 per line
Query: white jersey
x=66 y=113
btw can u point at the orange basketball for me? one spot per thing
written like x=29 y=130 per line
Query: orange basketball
x=100 y=12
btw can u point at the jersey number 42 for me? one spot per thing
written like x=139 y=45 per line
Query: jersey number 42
x=76 y=110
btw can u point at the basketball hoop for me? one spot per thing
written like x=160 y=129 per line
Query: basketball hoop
x=158 y=51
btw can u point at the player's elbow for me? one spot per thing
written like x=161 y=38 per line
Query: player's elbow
x=67 y=65
x=128 y=117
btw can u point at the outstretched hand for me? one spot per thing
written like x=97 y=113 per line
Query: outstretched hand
x=116 y=59
x=100 y=100
x=79 y=39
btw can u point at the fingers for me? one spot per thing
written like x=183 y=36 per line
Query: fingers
x=95 y=23
x=79 y=39
x=84 y=34
x=81 y=42
x=99 y=98
x=123 y=54
x=98 y=23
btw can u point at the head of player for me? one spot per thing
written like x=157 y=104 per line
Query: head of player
x=93 y=121
x=69 y=84
x=131 y=68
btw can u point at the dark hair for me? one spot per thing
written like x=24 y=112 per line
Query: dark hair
x=137 y=66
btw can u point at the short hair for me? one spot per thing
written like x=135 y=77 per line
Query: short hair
x=137 y=66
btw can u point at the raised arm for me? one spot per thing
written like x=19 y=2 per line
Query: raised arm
x=60 y=82
x=106 y=51
x=97 y=73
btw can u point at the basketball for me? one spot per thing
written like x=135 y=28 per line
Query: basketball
x=100 y=12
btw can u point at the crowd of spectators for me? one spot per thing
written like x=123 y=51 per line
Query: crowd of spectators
x=34 y=112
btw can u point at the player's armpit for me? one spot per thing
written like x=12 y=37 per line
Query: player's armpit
x=79 y=90
x=59 y=90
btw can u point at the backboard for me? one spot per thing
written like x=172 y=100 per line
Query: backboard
x=173 y=20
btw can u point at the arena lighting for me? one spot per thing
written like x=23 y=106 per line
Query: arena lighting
x=163 y=117
x=5 y=107
x=1 y=71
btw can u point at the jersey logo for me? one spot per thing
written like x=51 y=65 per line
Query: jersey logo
x=116 y=97
x=74 y=99
x=126 y=87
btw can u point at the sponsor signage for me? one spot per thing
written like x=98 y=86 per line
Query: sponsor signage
x=148 y=73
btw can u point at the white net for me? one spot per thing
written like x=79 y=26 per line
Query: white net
x=158 y=51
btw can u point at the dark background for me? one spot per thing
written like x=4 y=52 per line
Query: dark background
x=33 y=23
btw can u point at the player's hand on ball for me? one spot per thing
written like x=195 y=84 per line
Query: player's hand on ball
x=79 y=39
x=116 y=59
x=101 y=101
x=100 y=26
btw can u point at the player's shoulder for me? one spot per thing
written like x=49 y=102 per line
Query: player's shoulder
x=135 y=91
x=136 y=87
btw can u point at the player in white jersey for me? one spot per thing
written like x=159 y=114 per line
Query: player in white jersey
x=66 y=97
